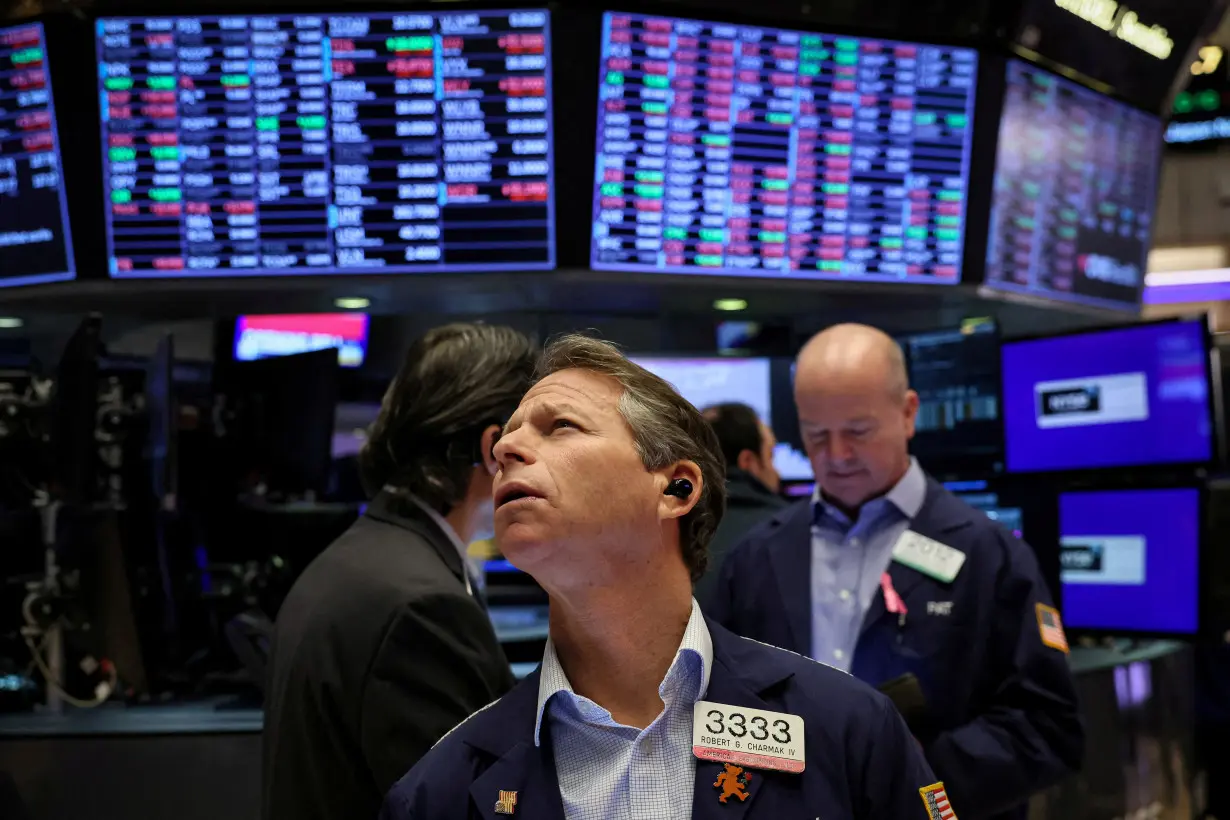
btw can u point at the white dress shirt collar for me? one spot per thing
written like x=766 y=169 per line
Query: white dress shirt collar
x=697 y=643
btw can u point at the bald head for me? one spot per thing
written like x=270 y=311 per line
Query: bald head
x=856 y=412
x=854 y=355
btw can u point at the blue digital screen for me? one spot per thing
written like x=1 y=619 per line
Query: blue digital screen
x=35 y=242
x=327 y=143
x=1113 y=398
x=1074 y=193
x=1129 y=560
x=747 y=151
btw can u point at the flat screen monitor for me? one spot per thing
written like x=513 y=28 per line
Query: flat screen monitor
x=1075 y=188
x=340 y=143
x=1126 y=397
x=706 y=382
x=746 y=151
x=259 y=337
x=35 y=243
x=1130 y=560
x=956 y=375
x=1012 y=518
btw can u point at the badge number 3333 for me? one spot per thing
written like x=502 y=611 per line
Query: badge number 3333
x=748 y=737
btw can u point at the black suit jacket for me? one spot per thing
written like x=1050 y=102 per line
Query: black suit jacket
x=378 y=652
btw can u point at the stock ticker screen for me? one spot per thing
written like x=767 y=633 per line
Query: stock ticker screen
x=727 y=149
x=956 y=374
x=35 y=244
x=345 y=143
x=1075 y=187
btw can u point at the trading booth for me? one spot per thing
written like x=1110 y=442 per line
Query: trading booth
x=221 y=226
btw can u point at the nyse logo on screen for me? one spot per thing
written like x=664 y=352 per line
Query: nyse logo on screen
x=1112 y=399
x=1080 y=400
x=1078 y=556
x=1102 y=559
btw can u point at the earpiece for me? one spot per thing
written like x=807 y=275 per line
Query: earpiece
x=679 y=488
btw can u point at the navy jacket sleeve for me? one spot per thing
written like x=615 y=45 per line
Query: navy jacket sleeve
x=894 y=771
x=1030 y=735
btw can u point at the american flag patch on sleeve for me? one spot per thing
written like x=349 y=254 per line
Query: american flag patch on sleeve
x=936 y=800
x=1050 y=628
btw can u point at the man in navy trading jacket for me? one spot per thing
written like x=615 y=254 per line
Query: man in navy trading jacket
x=608 y=489
x=886 y=574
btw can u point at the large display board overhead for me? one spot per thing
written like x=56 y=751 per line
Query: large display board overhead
x=366 y=143
x=730 y=149
x=1075 y=192
x=35 y=242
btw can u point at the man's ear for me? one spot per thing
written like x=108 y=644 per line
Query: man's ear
x=911 y=413
x=747 y=461
x=487 y=448
x=671 y=506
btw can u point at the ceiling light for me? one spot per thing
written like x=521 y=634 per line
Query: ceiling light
x=352 y=302
x=730 y=304
x=10 y=323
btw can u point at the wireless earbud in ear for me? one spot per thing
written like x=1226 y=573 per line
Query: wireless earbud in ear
x=679 y=488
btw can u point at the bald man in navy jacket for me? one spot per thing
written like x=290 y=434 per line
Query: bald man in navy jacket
x=888 y=575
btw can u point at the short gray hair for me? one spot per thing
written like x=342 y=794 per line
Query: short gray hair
x=666 y=427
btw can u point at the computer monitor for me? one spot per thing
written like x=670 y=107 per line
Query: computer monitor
x=74 y=415
x=162 y=411
x=1124 y=397
x=706 y=382
x=1019 y=507
x=743 y=150
x=290 y=410
x=327 y=143
x=258 y=337
x=1075 y=189
x=1131 y=560
x=35 y=242
x=956 y=375
x=1013 y=518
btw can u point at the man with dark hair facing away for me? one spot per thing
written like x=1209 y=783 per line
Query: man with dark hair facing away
x=384 y=643
x=752 y=483
x=609 y=487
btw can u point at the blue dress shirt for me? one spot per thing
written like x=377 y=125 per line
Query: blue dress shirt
x=847 y=560
x=608 y=771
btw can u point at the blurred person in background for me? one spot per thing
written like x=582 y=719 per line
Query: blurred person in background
x=886 y=574
x=752 y=482
x=384 y=643
x=609 y=488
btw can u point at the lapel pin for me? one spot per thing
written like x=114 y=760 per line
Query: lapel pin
x=732 y=780
x=507 y=804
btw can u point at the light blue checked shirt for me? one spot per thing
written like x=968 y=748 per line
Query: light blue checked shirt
x=847 y=560
x=608 y=771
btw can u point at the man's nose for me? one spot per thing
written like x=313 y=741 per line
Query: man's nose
x=512 y=447
x=840 y=449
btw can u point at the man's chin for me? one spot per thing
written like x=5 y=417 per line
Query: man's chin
x=519 y=541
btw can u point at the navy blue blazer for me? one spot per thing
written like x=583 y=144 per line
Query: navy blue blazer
x=1001 y=719
x=861 y=763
